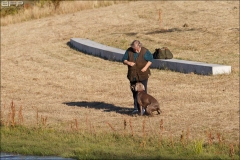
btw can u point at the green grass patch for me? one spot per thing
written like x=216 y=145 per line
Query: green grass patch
x=83 y=145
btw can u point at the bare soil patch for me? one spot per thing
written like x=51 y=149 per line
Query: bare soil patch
x=39 y=70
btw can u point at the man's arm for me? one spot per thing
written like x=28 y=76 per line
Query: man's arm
x=148 y=57
x=125 y=60
x=125 y=57
x=128 y=63
x=146 y=66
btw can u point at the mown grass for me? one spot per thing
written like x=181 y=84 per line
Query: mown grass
x=85 y=145
x=185 y=96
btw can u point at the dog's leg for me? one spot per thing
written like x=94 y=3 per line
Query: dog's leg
x=140 y=106
x=149 y=112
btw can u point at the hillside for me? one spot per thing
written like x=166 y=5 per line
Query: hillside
x=39 y=70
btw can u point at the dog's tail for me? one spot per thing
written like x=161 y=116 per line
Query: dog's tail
x=159 y=110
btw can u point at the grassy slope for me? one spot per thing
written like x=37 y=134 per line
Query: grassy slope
x=38 y=69
x=91 y=145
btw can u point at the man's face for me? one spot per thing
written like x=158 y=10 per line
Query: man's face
x=136 y=48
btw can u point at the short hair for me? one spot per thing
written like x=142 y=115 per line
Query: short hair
x=136 y=42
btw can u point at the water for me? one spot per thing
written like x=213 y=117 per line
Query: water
x=10 y=156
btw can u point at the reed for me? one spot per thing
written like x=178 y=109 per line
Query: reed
x=8 y=118
x=143 y=144
x=43 y=120
x=160 y=18
x=161 y=125
x=13 y=112
x=231 y=150
x=76 y=124
x=143 y=128
x=111 y=126
x=36 y=114
x=182 y=138
x=20 y=116
x=219 y=137
x=2 y=114
x=187 y=135
x=171 y=140
x=210 y=137
x=92 y=129
x=71 y=126
x=131 y=127
x=124 y=124
x=11 y=120
x=161 y=129
x=86 y=120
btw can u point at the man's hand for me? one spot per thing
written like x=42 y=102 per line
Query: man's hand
x=131 y=64
x=146 y=67
x=143 y=69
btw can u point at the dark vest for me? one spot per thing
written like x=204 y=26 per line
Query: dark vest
x=134 y=72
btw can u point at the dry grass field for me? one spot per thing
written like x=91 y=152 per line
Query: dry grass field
x=41 y=73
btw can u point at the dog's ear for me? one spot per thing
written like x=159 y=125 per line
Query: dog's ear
x=132 y=87
x=136 y=87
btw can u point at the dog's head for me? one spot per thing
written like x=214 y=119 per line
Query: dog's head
x=139 y=87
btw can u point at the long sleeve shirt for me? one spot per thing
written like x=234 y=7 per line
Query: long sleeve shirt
x=148 y=56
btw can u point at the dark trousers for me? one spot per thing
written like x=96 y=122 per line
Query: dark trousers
x=134 y=93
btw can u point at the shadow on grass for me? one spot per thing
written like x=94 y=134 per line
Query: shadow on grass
x=170 y=30
x=157 y=31
x=106 y=107
x=127 y=33
x=85 y=52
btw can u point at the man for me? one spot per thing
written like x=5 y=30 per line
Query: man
x=138 y=59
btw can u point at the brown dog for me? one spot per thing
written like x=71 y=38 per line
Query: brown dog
x=146 y=101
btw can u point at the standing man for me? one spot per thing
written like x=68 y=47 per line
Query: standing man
x=138 y=59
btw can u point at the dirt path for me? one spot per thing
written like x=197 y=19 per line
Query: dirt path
x=39 y=70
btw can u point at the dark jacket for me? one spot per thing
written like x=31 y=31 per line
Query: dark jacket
x=134 y=72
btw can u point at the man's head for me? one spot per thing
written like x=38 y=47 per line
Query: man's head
x=136 y=45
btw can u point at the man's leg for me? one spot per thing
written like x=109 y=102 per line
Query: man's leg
x=145 y=82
